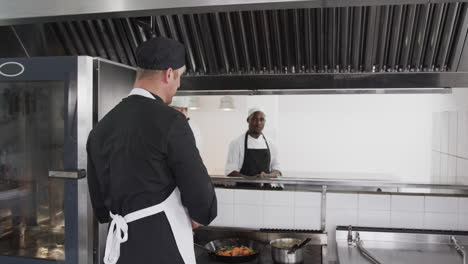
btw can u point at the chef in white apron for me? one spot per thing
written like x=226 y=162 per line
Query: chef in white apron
x=252 y=154
x=145 y=174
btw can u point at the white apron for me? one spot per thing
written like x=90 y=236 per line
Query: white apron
x=178 y=220
x=176 y=214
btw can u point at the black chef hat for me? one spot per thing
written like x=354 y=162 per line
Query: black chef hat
x=160 y=54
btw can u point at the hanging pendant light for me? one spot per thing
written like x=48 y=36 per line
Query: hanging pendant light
x=226 y=103
x=193 y=103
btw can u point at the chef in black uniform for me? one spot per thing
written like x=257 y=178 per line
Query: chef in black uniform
x=145 y=174
x=252 y=154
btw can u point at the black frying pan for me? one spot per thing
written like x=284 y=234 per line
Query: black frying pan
x=233 y=242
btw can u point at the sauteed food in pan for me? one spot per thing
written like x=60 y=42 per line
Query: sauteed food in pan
x=233 y=251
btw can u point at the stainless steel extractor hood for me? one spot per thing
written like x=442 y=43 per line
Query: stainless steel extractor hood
x=270 y=45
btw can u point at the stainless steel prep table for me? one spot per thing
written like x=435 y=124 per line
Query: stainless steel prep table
x=396 y=246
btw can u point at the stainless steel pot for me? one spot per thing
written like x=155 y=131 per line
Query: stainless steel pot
x=280 y=255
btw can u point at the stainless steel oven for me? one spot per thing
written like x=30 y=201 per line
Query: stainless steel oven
x=48 y=106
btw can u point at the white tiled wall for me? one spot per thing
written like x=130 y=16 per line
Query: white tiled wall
x=462 y=144
x=453 y=133
x=441 y=213
x=462 y=171
x=436 y=131
x=444 y=158
x=302 y=210
x=463 y=214
x=406 y=219
x=268 y=209
x=452 y=169
x=407 y=203
x=307 y=210
x=444 y=132
x=407 y=211
x=437 y=204
x=435 y=170
x=450 y=147
x=342 y=201
x=225 y=207
x=443 y=221
x=374 y=210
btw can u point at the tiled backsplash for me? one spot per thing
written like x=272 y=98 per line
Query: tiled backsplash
x=450 y=147
x=268 y=209
x=302 y=210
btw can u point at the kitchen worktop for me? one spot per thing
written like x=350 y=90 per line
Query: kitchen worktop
x=339 y=185
x=400 y=253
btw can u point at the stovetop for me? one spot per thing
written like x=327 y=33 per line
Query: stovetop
x=312 y=255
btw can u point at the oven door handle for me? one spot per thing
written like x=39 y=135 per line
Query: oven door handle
x=67 y=174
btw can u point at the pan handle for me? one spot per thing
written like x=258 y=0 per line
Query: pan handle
x=202 y=247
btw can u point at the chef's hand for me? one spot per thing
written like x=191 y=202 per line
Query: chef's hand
x=195 y=225
x=265 y=175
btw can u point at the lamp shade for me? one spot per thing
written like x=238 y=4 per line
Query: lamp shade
x=226 y=103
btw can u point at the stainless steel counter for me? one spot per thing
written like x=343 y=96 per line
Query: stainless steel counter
x=338 y=185
x=400 y=248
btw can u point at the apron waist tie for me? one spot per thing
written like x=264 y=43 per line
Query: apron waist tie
x=118 y=229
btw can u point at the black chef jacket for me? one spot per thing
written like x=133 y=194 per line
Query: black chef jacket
x=137 y=154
